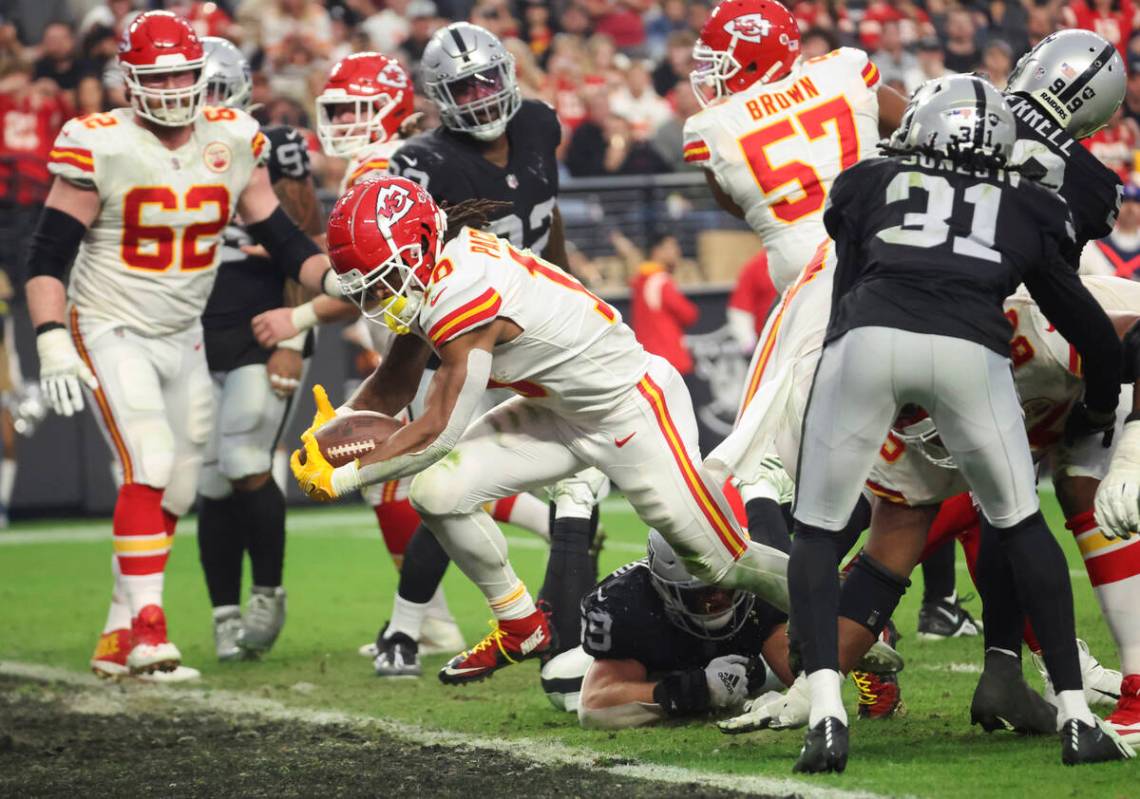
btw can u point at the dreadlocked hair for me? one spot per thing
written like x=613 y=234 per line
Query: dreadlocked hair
x=470 y=213
x=971 y=159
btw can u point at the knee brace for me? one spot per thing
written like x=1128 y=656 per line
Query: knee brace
x=436 y=492
x=871 y=593
x=183 y=485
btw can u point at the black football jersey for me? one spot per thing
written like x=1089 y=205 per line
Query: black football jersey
x=930 y=248
x=1092 y=190
x=247 y=285
x=452 y=168
x=624 y=619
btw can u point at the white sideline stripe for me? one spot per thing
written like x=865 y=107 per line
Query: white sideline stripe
x=143 y=698
x=308 y=525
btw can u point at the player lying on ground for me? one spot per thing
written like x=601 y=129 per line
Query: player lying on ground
x=139 y=201
x=589 y=395
x=659 y=644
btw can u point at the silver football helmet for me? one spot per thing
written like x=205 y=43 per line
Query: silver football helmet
x=704 y=610
x=471 y=76
x=1076 y=76
x=228 y=79
x=957 y=113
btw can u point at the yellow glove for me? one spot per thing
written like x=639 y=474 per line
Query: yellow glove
x=315 y=475
x=325 y=411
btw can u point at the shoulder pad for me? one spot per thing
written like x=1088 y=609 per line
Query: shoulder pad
x=73 y=155
x=459 y=296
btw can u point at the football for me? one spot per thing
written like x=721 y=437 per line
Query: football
x=354 y=435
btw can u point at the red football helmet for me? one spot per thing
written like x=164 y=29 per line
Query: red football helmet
x=743 y=42
x=366 y=99
x=387 y=231
x=158 y=44
x=914 y=427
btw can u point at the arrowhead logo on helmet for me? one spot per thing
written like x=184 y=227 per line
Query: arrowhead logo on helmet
x=393 y=203
x=750 y=27
x=393 y=75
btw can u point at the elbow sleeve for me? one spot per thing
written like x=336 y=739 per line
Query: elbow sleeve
x=54 y=243
x=287 y=244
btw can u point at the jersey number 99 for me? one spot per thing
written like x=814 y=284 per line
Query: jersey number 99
x=152 y=247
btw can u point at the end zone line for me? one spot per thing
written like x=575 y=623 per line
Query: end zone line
x=542 y=752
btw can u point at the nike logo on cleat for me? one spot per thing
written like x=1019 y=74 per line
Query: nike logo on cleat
x=619 y=443
x=531 y=643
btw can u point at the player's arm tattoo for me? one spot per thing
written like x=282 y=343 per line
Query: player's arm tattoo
x=299 y=199
x=555 y=251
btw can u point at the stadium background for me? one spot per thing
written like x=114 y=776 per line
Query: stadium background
x=615 y=70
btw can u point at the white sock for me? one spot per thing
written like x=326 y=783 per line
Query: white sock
x=119 y=615
x=222 y=611
x=1072 y=705
x=7 y=482
x=515 y=604
x=143 y=590
x=531 y=513
x=826 y=699
x=437 y=607
x=407 y=618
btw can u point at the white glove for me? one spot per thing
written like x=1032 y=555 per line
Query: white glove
x=727 y=677
x=61 y=370
x=1117 y=506
x=773 y=711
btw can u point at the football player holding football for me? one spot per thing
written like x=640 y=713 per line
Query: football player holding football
x=658 y=644
x=241 y=508
x=140 y=200
x=589 y=396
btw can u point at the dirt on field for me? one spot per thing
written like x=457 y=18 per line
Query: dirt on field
x=56 y=740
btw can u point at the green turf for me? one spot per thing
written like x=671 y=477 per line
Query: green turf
x=54 y=597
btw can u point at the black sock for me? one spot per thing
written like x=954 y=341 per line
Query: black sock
x=221 y=544
x=569 y=576
x=845 y=539
x=1042 y=578
x=262 y=513
x=938 y=573
x=766 y=523
x=813 y=586
x=1002 y=617
x=424 y=565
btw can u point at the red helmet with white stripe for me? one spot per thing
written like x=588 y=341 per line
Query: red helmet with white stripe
x=162 y=59
x=743 y=42
x=384 y=237
x=367 y=98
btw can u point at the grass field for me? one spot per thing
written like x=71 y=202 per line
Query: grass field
x=54 y=587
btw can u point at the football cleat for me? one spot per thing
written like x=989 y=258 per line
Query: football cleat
x=151 y=650
x=110 y=659
x=941 y=619
x=1125 y=719
x=227 y=628
x=509 y=642
x=264 y=618
x=879 y=695
x=396 y=656
x=1091 y=743
x=1102 y=686
x=439 y=636
x=180 y=674
x=1003 y=699
x=825 y=748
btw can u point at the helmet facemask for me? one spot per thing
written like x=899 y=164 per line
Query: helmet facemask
x=917 y=431
x=398 y=279
x=711 y=70
x=345 y=139
x=479 y=103
x=167 y=107
x=706 y=611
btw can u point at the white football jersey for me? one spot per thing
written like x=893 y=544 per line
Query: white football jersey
x=369 y=162
x=574 y=354
x=149 y=260
x=776 y=148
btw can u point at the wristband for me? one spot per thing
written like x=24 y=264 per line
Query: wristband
x=304 y=317
x=345 y=479
x=683 y=693
x=46 y=326
x=297 y=343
